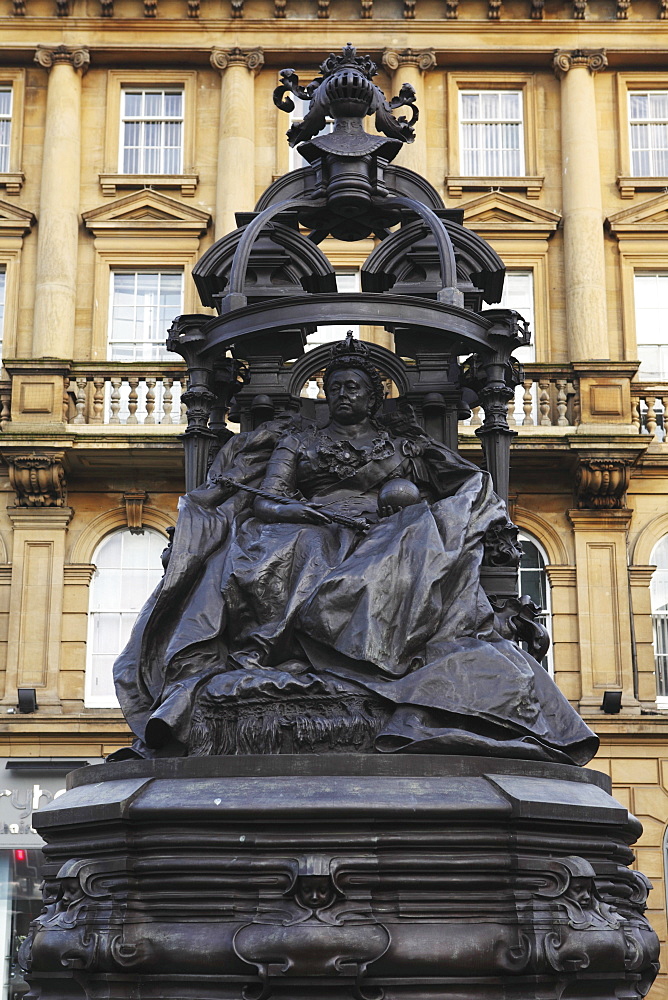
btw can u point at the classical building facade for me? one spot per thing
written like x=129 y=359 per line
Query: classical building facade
x=131 y=131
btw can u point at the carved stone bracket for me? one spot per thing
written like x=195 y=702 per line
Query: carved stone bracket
x=49 y=56
x=252 y=59
x=601 y=483
x=594 y=59
x=134 y=510
x=423 y=59
x=38 y=480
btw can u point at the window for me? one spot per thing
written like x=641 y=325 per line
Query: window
x=534 y=583
x=296 y=161
x=648 y=132
x=518 y=295
x=3 y=295
x=127 y=570
x=151 y=131
x=651 y=314
x=659 y=601
x=142 y=307
x=491 y=133
x=5 y=127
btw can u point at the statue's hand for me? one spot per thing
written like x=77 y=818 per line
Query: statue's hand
x=293 y=512
x=299 y=513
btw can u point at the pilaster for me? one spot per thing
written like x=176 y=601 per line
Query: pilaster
x=410 y=66
x=36 y=601
x=564 y=605
x=236 y=134
x=57 y=237
x=584 y=264
x=604 y=623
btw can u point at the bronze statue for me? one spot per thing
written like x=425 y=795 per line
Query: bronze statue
x=278 y=628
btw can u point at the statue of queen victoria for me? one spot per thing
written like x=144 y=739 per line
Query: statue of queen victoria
x=323 y=593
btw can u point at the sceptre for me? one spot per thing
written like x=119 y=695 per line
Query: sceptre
x=356 y=523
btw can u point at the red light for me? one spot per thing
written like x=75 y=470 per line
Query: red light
x=19 y=855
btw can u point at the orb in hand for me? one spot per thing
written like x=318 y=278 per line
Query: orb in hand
x=398 y=493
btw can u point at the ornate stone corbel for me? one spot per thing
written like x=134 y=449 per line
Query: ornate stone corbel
x=594 y=59
x=601 y=483
x=134 y=510
x=37 y=480
x=253 y=59
x=423 y=59
x=49 y=56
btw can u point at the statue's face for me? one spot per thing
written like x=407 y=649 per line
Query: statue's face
x=349 y=396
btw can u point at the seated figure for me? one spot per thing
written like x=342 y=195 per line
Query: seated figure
x=323 y=594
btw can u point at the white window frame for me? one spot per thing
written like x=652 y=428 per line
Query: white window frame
x=647 y=123
x=482 y=151
x=91 y=698
x=661 y=344
x=660 y=577
x=6 y=147
x=525 y=536
x=163 y=120
x=3 y=303
x=164 y=354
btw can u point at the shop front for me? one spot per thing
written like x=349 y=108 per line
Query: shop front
x=25 y=785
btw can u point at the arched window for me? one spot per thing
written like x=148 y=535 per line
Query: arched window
x=127 y=569
x=659 y=599
x=534 y=583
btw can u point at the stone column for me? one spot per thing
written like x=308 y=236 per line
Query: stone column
x=410 y=66
x=584 y=265
x=236 y=134
x=58 y=232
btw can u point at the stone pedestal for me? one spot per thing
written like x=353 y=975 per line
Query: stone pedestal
x=342 y=876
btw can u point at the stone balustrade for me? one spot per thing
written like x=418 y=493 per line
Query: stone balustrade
x=128 y=394
x=649 y=402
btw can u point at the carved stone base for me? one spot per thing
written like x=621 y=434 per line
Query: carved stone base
x=339 y=876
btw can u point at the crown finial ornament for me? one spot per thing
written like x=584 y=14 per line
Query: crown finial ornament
x=345 y=91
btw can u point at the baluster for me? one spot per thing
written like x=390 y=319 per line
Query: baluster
x=80 y=404
x=167 y=384
x=511 y=412
x=133 y=382
x=150 y=400
x=664 y=405
x=576 y=402
x=115 y=402
x=98 y=400
x=5 y=406
x=635 y=412
x=476 y=419
x=527 y=403
x=544 y=402
x=562 y=402
x=319 y=381
x=650 y=419
x=66 y=400
x=183 y=419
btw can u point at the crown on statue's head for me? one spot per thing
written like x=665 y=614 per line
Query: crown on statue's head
x=351 y=353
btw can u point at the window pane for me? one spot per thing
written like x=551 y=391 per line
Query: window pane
x=648 y=133
x=143 y=305
x=651 y=314
x=152 y=131
x=491 y=133
x=128 y=569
